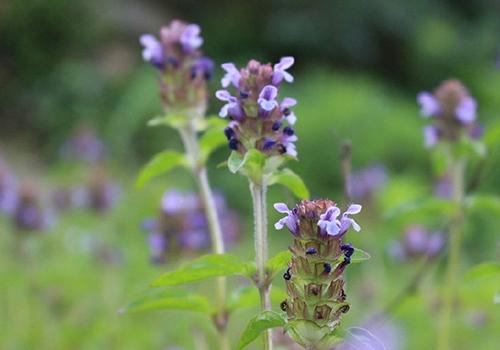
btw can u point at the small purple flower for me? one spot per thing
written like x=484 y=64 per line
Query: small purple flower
x=365 y=182
x=190 y=38
x=153 y=49
x=429 y=104
x=267 y=98
x=285 y=106
x=196 y=239
x=157 y=244
x=289 y=221
x=280 y=72
x=466 y=110
x=174 y=202
x=431 y=136
x=232 y=107
x=332 y=226
x=203 y=66
x=328 y=222
x=232 y=75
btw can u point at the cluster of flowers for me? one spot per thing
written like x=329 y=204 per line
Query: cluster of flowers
x=84 y=145
x=453 y=111
x=367 y=181
x=314 y=279
x=417 y=242
x=184 y=70
x=259 y=119
x=182 y=225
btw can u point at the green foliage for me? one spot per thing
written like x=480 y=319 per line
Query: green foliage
x=263 y=321
x=484 y=270
x=206 y=266
x=161 y=163
x=248 y=296
x=422 y=208
x=310 y=335
x=278 y=262
x=359 y=256
x=169 y=299
x=212 y=139
x=482 y=202
x=290 y=180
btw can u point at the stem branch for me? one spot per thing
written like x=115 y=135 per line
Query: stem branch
x=258 y=192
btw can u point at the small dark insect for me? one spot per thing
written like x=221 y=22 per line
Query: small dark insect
x=284 y=305
x=327 y=267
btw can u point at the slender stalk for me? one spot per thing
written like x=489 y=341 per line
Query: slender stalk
x=453 y=264
x=258 y=192
x=190 y=141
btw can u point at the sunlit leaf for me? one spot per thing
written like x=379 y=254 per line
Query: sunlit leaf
x=207 y=266
x=161 y=163
x=248 y=296
x=168 y=300
x=263 y=321
x=279 y=262
x=235 y=162
x=359 y=256
x=292 y=181
x=487 y=269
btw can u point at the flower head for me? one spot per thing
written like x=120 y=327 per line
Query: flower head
x=417 y=242
x=453 y=112
x=184 y=70
x=263 y=119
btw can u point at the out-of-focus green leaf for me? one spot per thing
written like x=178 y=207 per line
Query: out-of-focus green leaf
x=487 y=269
x=169 y=300
x=263 y=321
x=483 y=203
x=207 y=266
x=292 y=181
x=173 y=120
x=279 y=262
x=235 y=162
x=248 y=296
x=212 y=139
x=359 y=256
x=161 y=163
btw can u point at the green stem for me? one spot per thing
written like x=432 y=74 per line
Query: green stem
x=258 y=192
x=190 y=140
x=453 y=263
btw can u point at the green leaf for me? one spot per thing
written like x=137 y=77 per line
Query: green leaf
x=359 y=256
x=292 y=181
x=263 y=321
x=207 y=266
x=484 y=270
x=235 y=162
x=212 y=139
x=173 y=120
x=168 y=300
x=248 y=296
x=161 y=163
x=484 y=203
x=279 y=262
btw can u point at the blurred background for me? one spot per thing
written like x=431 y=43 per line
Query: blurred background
x=72 y=78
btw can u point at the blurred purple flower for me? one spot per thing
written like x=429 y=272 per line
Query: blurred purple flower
x=280 y=72
x=417 y=242
x=466 y=110
x=152 y=51
x=365 y=182
x=431 y=136
x=190 y=37
x=429 y=104
x=8 y=191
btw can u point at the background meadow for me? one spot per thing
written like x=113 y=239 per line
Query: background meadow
x=359 y=66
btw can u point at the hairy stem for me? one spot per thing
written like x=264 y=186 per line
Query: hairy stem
x=260 y=223
x=453 y=263
x=190 y=140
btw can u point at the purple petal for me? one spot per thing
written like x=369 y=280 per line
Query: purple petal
x=466 y=110
x=428 y=103
x=353 y=209
x=288 y=102
x=223 y=95
x=232 y=75
x=281 y=208
x=281 y=223
x=153 y=50
x=190 y=38
x=285 y=63
x=332 y=228
x=431 y=136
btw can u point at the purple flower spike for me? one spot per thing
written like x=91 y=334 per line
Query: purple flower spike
x=428 y=103
x=232 y=75
x=466 y=110
x=153 y=50
x=267 y=98
x=190 y=38
x=280 y=72
x=328 y=222
x=285 y=106
x=431 y=136
x=290 y=220
x=232 y=107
